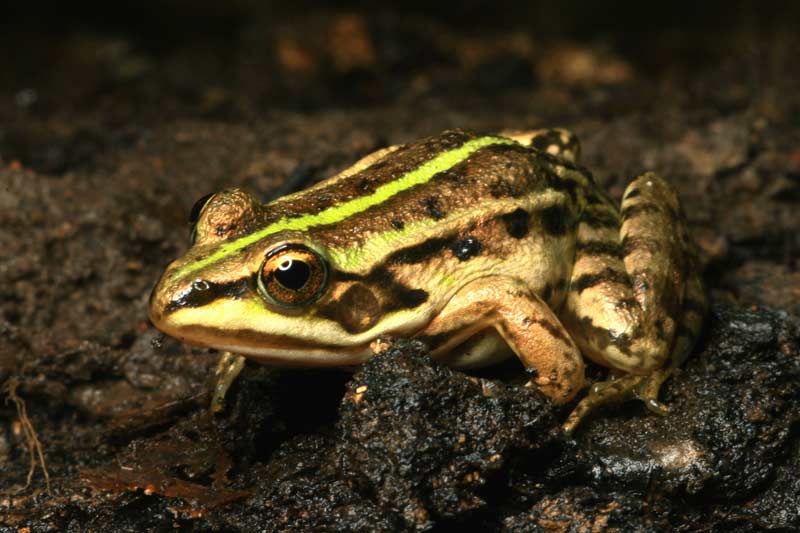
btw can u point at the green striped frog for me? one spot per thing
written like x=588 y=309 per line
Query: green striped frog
x=482 y=246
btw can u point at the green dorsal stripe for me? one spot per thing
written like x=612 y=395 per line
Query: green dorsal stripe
x=339 y=212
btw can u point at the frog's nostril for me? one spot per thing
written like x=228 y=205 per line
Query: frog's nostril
x=201 y=292
x=200 y=285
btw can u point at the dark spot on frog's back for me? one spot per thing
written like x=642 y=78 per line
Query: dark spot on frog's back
x=204 y=292
x=550 y=138
x=452 y=139
x=556 y=220
x=456 y=176
x=433 y=208
x=366 y=186
x=465 y=249
x=418 y=252
x=557 y=183
x=504 y=149
x=566 y=163
x=226 y=229
x=517 y=223
x=504 y=188
x=398 y=224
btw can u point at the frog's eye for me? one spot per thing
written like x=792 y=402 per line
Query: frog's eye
x=292 y=275
x=194 y=214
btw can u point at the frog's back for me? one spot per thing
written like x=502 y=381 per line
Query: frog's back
x=456 y=206
x=451 y=179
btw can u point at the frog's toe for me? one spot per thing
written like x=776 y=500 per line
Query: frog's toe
x=601 y=393
x=654 y=406
x=618 y=390
x=625 y=387
x=605 y=391
x=648 y=388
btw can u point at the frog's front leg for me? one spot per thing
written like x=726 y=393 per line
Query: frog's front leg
x=525 y=323
x=636 y=302
x=229 y=366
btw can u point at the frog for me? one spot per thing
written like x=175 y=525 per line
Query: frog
x=484 y=247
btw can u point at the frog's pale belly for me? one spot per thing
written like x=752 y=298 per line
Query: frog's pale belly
x=462 y=241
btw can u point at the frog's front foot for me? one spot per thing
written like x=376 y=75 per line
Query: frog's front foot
x=619 y=389
x=228 y=369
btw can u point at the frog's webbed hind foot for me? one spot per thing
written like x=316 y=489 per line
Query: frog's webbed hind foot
x=625 y=387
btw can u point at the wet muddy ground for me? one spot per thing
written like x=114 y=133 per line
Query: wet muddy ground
x=110 y=130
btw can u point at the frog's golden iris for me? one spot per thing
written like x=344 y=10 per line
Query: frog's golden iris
x=481 y=246
x=292 y=275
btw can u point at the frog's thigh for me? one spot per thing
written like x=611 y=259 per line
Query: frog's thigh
x=554 y=141
x=627 y=284
x=524 y=321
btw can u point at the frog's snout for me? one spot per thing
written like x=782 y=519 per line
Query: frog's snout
x=168 y=296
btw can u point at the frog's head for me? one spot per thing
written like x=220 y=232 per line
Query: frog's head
x=263 y=289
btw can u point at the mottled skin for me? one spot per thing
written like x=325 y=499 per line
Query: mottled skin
x=503 y=245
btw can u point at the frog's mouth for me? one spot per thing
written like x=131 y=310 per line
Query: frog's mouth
x=243 y=326
x=270 y=349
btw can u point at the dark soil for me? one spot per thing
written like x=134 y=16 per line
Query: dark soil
x=111 y=126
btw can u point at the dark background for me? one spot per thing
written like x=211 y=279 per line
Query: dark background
x=112 y=123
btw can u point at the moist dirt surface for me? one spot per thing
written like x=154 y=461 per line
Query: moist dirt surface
x=112 y=126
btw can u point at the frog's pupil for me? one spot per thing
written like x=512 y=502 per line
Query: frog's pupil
x=293 y=274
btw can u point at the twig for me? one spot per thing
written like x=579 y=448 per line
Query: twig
x=33 y=444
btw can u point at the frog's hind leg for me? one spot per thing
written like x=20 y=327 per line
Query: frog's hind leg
x=635 y=301
x=555 y=141
x=690 y=322
x=646 y=388
x=684 y=266
x=523 y=320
